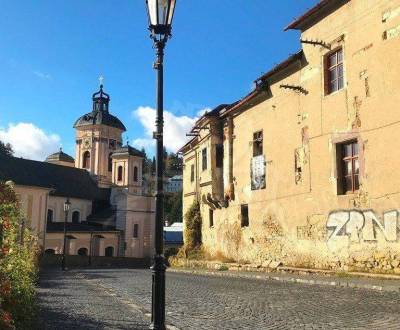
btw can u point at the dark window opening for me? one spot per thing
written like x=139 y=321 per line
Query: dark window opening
x=219 y=155
x=257 y=144
x=135 y=230
x=76 y=217
x=348 y=167
x=211 y=217
x=50 y=251
x=109 y=251
x=86 y=160
x=204 y=159
x=109 y=162
x=119 y=176
x=83 y=252
x=334 y=71
x=244 y=215
x=50 y=215
x=191 y=173
x=135 y=174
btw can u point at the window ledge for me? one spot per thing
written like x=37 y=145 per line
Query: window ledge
x=335 y=93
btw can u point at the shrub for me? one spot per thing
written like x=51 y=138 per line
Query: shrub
x=17 y=265
x=193 y=227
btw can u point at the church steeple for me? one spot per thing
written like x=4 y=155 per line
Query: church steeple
x=101 y=100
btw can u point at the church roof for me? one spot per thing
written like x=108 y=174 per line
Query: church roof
x=63 y=180
x=60 y=156
x=99 y=118
x=128 y=150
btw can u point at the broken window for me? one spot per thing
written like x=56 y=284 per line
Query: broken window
x=334 y=71
x=219 y=155
x=257 y=143
x=191 y=173
x=348 y=167
x=204 y=159
x=244 y=215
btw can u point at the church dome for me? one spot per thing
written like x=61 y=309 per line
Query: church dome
x=60 y=157
x=100 y=114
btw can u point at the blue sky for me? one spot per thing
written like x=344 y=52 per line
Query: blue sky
x=52 y=53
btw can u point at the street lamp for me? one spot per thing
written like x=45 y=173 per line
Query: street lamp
x=160 y=14
x=67 y=206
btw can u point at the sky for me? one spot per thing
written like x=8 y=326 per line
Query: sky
x=52 y=53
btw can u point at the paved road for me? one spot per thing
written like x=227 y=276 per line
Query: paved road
x=119 y=299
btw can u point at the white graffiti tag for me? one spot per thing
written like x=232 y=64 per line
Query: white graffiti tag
x=357 y=225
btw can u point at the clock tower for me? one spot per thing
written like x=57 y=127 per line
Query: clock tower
x=98 y=135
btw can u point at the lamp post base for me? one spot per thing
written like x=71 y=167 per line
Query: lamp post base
x=158 y=288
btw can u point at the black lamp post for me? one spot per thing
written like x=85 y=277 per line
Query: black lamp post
x=160 y=14
x=67 y=205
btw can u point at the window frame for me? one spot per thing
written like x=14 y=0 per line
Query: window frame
x=120 y=173
x=86 y=160
x=258 y=143
x=330 y=69
x=342 y=160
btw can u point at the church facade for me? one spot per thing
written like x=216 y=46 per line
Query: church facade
x=111 y=213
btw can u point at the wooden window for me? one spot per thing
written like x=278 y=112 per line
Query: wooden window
x=192 y=173
x=219 y=155
x=204 y=159
x=244 y=215
x=348 y=167
x=257 y=143
x=135 y=230
x=86 y=160
x=50 y=214
x=135 y=174
x=211 y=217
x=119 y=174
x=334 y=71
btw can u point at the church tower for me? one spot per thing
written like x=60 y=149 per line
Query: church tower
x=98 y=135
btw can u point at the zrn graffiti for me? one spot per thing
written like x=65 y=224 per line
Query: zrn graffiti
x=358 y=225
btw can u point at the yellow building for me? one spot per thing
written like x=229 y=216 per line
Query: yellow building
x=303 y=170
x=111 y=213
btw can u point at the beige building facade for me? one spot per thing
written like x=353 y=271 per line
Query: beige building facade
x=303 y=169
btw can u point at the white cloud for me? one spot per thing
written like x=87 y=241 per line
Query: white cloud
x=42 y=75
x=29 y=141
x=203 y=111
x=175 y=128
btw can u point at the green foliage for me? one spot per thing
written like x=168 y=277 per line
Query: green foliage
x=18 y=265
x=193 y=227
x=6 y=149
x=173 y=207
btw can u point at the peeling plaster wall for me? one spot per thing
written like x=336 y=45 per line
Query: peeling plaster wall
x=299 y=219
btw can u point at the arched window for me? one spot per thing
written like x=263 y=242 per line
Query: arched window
x=83 y=251
x=50 y=214
x=109 y=162
x=109 y=252
x=135 y=174
x=50 y=251
x=76 y=217
x=86 y=160
x=120 y=169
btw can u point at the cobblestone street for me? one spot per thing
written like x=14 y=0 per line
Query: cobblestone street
x=120 y=299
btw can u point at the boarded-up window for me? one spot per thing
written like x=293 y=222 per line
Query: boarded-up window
x=257 y=172
x=244 y=215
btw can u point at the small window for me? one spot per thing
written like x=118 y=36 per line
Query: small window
x=119 y=174
x=244 y=215
x=348 y=167
x=135 y=174
x=135 y=230
x=76 y=217
x=257 y=144
x=219 y=155
x=109 y=251
x=110 y=162
x=204 y=159
x=211 y=217
x=83 y=252
x=86 y=160
x=191 y=173
x=50 y=214
x=334 y=71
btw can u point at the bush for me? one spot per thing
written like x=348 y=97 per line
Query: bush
x=193 y=227
x=18 y=266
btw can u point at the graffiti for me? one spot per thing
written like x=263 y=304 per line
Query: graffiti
x=356 y=226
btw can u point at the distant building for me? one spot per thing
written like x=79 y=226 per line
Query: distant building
x=173 y=235
x=110 y=214
x=174 y=184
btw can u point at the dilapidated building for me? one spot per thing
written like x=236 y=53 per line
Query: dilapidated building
x=303 y=170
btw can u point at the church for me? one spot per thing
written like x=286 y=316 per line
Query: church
x=112 y=213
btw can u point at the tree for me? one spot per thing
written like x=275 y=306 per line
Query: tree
x=6 y=149
x=173 y=207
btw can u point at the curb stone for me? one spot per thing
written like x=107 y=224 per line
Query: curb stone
x=345 y=283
